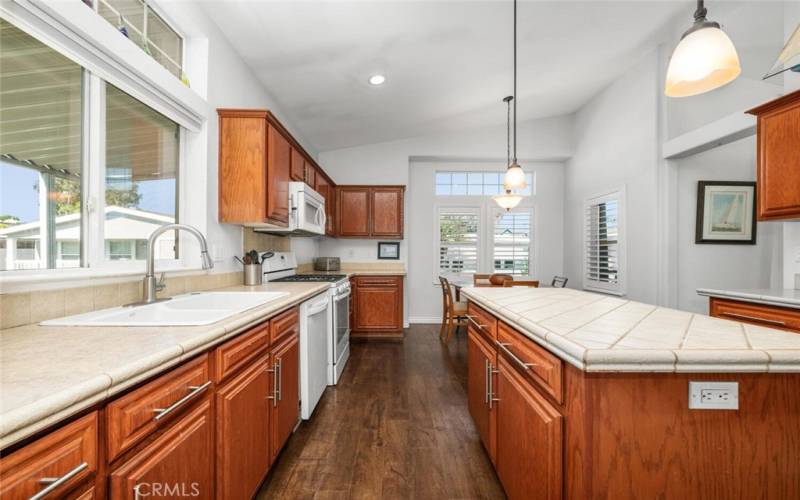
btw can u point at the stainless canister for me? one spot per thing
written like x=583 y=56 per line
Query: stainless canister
x=252 y=274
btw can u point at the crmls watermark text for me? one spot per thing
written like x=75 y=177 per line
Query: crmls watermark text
x=166 y=490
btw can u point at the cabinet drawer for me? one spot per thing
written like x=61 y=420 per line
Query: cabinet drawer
x=284 y=325
x=238 y=352
x=134 y=416
x=531 y=359
x=62 y=460
x=782 y=318
x=483 y=321
x=382 y=281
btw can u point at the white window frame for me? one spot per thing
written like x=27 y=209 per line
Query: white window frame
x=486 y=208
x=45 y=21
x=618 y=288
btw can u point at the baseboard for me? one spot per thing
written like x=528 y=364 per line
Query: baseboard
x=428 y=320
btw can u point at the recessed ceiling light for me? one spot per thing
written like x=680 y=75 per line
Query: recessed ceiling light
x=377 y=79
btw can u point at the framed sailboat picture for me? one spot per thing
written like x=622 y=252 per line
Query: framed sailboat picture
x=726 y=212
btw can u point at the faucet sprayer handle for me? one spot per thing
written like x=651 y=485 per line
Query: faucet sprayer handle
x=161 y=285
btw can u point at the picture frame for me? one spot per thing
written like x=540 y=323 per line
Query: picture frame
x=726 y=213
x=389 y=250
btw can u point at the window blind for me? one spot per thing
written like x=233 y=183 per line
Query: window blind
x=458 y=241
x=602 y=251
x=512 y=242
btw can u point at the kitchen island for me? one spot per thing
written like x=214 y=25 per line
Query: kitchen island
x=581 y=395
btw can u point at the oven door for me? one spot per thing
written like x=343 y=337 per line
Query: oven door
x=341 y=325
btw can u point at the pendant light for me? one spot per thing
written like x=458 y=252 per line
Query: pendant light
x=508 y=200
x=705 y=59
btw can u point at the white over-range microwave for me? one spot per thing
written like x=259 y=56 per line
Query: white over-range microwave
x=306 y=213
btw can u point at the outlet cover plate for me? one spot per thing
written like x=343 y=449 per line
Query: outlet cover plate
x=713 y=395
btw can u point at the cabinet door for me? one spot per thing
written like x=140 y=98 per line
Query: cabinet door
x=480 y=362
x=279 y=153
x=379 y=307
x=180 y=462
x=243 y=452
x=67 y=455
x=298 y=170
x=286 y=405
x=311 y=175
x=387 y=212
x=242 y=151
x=779 y=161
x=529 y=439
x=353 y=211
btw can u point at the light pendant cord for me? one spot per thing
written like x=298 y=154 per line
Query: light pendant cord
x=515 y=81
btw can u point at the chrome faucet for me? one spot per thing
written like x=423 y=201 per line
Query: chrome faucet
x=150 y=285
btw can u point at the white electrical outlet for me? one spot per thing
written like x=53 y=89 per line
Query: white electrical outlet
x=713 y=395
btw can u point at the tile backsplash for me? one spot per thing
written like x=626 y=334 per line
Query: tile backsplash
x=24 y=308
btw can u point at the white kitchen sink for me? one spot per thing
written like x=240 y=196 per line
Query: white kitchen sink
x=192 y=309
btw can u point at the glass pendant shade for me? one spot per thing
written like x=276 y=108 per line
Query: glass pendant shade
x=514 y=178
x=507 y=200
x=705 y=59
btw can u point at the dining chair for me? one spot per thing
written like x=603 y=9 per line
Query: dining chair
x=559 y=282
x=454 y=314
x=481 y=279
x=531 y=283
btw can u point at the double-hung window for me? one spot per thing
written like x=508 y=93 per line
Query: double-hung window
x=70 y=197
x=604 y=244
x=473 y=235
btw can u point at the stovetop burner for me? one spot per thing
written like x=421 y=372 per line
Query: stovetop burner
x=330 y=278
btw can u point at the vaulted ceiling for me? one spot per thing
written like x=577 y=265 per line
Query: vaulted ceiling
x=448 y=64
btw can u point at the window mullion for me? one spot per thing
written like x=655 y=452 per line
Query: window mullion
x=96 y=174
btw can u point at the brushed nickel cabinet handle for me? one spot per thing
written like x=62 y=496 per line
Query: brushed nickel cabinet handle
x=504 y=346
x=491 y=398
x=753 y=318
x=56 y=482
x=485 y=381
x=196 y=389
x=472 y=320
x=280 y=379
x=274 y=372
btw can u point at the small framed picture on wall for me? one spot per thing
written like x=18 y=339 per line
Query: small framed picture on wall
x=389 y=250
x=726 y=212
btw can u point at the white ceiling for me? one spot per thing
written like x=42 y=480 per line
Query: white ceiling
x=448 y=64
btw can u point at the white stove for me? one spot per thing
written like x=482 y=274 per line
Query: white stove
x=281 y=267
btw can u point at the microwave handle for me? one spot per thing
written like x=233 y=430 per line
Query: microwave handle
x=324 y=217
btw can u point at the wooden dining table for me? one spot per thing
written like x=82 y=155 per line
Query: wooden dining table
x=458 y=285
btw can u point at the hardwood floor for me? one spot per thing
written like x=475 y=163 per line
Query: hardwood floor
x=396 y=426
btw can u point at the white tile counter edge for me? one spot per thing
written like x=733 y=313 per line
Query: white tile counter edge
x=701 y=360
x=780 y=298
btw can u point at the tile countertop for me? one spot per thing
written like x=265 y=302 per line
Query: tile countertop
x=600 y=333
x=770 y=296
x=49 y=373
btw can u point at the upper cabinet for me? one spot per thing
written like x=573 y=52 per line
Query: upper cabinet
x=778 y=147
x=370 y=211
x=257 y=160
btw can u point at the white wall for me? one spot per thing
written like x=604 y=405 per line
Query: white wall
x=394 y=163
x=616 y=145
x=226 y=82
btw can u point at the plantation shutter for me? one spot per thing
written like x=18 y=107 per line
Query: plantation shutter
x=458 y=241
x=602 y=240
x=512 y=242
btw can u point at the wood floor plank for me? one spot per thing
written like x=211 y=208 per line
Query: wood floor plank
x=396 y=427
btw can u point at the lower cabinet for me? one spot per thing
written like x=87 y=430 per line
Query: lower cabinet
x=377 y=306
x=177 y=463
x=782 y=318
x=286 y=393
x=481 y=359
x=243 y=437
x=209 y=428
x=529 y=438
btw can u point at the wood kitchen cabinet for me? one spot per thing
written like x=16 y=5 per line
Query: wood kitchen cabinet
x=782 y=318
x=370 y=211
x=377 y=307
x=68 y=456
x=528 y=449
x=481 y=362
x=285 y=399
x=243 y=433
x=208 y=428
x=778 y=158
x=257 y=160
x=178 y=463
